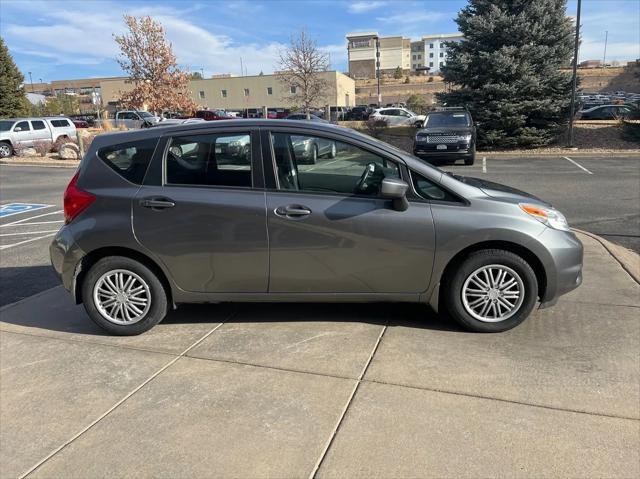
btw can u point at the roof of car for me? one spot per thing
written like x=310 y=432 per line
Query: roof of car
x=37 y=118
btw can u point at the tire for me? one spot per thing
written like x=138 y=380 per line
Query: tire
x=471 y=160
x=6 y=150
x=314 y=155
x=152 y=314
x=460 y=281
x=333 y=152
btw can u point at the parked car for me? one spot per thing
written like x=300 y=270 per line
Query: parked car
x=213 y=115
x=337 y=113
x=307 y=150
x=398 y=117
x=607 y=112
x=79 y=123
x=303 y=116
x=25 y=132
x=449 y=134
x=144 y=231
x=135 y=118
x=358 y=113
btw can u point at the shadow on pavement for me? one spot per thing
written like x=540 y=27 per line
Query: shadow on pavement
x=17 y=283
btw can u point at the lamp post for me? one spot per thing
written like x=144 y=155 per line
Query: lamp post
x=31 y=81
x=378 y=69
x=575 y=76
x=604 y=56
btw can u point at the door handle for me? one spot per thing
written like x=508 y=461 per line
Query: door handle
x=292 y=211
x=157 y=203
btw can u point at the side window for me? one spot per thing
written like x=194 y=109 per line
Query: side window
x=60 y=123
x=210 y=160
x=316 y=164
x=23 y=125
x=429 y=190
x=129 y=160
x=38 y=125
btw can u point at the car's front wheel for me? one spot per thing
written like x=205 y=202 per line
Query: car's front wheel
x=123 y=296
x=5 y=150
x=491 y=291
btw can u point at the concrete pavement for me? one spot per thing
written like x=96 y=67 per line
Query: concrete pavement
x=286 y=390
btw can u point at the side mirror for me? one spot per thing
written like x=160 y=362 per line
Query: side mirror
x=396 y=190
x=17 y=129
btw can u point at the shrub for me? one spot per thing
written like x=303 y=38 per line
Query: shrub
x=631 y=131
x=42 y=147
x=375 y=127
x=406 y=79
x=430 y=80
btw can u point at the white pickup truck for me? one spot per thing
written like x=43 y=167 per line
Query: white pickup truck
x=18 y=133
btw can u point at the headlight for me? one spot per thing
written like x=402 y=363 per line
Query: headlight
x=547 y=216
x=466 y=138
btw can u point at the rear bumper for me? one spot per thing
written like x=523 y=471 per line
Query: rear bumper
x=66 y=257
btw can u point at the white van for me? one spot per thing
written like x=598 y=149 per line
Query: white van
x=25 y=132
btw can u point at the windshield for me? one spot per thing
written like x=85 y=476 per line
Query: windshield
x=6 y=125
x=448 y=119
x=145 y=114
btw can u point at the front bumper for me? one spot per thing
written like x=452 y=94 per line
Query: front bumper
x=565 y=272
x=422 y=149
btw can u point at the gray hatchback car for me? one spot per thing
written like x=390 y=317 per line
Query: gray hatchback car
x=183 y=214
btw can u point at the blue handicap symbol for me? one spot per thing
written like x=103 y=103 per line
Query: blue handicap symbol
x=17 y=208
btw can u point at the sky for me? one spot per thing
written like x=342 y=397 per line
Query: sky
x=58 y=40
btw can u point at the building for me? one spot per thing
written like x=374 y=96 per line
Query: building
x=590 y=64
x=435 y=49
x=363 y=48
x=239 y=93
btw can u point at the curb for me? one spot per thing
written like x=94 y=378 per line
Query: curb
x=629 y=260
x=43 y=165
x=578 y=154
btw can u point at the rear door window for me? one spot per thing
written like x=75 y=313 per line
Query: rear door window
x=38 y=125
x=222 y=159
x=130 y=160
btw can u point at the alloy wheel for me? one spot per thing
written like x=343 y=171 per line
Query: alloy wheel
x=122 y=297
x=493 y=293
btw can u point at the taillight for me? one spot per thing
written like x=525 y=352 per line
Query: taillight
x=75 y=200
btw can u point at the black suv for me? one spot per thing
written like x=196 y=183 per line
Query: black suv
x=448 y=133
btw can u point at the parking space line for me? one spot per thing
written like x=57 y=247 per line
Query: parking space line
x=27 y=233
x=37 y=223
x=116 y=405
x=29 y=218
x=577 y=164
x=484 y=164
x=7 y=246
x=346 y=406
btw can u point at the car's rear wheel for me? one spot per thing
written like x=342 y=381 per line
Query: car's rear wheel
x=333 y=151
x=491 y=291
x=5 y=150
x=123 y=296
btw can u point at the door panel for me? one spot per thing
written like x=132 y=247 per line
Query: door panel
x=212 y=240
x=349 y=245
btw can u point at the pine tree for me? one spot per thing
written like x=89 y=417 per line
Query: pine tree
x=13 y=102
x=506 y=70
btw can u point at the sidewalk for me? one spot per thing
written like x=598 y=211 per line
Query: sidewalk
x=286 y=390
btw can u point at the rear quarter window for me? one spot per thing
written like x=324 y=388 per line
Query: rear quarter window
x=130 y=160
x=60 y=123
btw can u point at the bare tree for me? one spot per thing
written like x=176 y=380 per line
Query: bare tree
x=300 y=66
x=148 y=59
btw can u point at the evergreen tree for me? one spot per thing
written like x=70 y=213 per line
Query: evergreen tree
x=506 y=70
x=13 y=102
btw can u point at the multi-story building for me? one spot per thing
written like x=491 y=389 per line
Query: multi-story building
x=435 y=49
x=365 y=48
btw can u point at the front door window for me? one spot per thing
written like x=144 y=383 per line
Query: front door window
x=322 y=165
